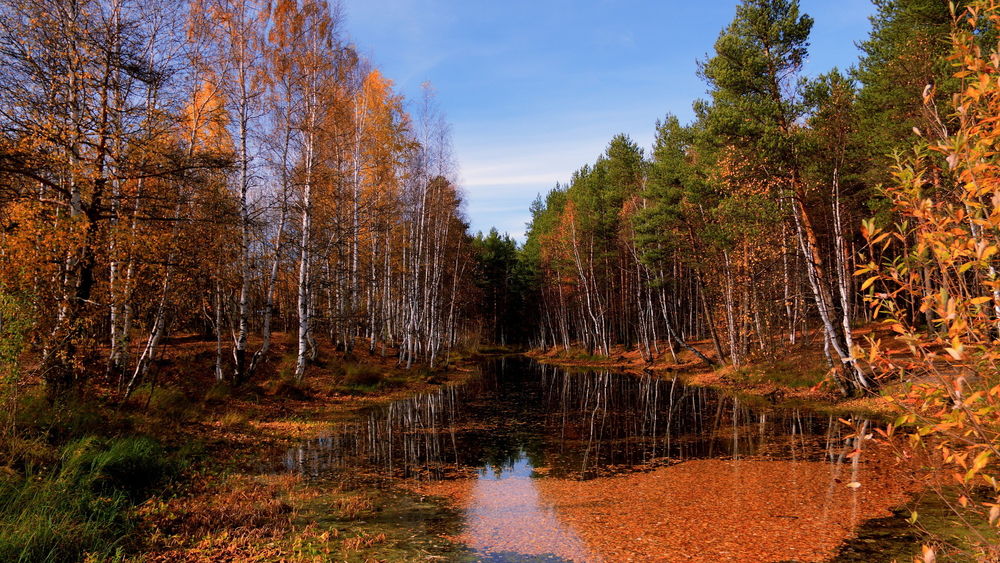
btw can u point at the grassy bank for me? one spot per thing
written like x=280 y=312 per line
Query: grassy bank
x=83 y=504
x=796 y=375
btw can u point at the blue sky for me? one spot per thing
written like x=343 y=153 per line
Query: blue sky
x=535 y=89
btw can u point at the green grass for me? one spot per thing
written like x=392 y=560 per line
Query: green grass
x=789 y=374
x=81 y=507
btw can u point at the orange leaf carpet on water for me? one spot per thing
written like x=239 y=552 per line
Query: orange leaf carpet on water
x=702 y=510
x=715 y=510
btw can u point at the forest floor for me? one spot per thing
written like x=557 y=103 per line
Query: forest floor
x=231 y=498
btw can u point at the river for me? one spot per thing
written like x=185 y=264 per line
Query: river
x=546 y=464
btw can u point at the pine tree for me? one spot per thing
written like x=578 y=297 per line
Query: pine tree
x=756 y=101
x=905 y=54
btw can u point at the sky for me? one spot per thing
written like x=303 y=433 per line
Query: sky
x=535 y=89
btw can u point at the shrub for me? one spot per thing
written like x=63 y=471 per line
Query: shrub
x=932 y=277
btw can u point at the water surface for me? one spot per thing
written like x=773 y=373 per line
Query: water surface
x=550 y=464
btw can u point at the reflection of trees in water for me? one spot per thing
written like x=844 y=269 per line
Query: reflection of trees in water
x=604 y=418
x=573 y=423
x=406 y=438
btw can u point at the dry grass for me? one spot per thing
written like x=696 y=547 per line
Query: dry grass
x=234 y=418
x=355 y=507
x=241 y=518
x=363 y=541
x=238 y=505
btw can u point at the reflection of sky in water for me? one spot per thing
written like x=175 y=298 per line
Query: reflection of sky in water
x=521 y=468
x=507 y=520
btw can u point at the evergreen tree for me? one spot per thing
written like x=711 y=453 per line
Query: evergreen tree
x=498 y=277
x=756 y=101
x=905 y=53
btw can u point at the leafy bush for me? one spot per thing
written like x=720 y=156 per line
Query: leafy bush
x=932 y=277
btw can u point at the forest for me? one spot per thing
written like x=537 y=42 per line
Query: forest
x=857 y=208
x=742 y=228
x=222 y=228
x=226 y=168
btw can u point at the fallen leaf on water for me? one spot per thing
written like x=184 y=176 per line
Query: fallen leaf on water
x=699 y=511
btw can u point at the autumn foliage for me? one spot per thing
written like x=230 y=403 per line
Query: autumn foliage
x=223 y=167
x=932 y=277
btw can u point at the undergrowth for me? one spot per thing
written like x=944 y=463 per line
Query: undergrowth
x=81 y=507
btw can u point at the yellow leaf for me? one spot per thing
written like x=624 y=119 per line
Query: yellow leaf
x=980 y=462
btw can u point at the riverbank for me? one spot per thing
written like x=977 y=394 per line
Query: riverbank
x=799 y=377
x=216 y=489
